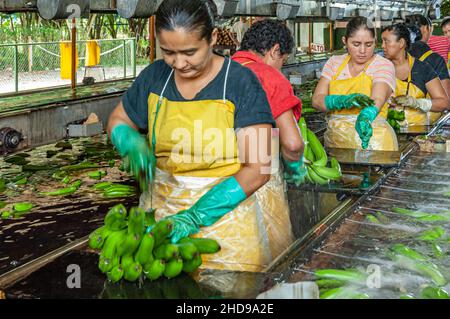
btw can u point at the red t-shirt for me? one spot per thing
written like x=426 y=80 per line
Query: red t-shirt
x=278 y=89
x=441 y=45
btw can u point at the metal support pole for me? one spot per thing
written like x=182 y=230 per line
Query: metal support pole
x=124 y=59
x=133 y=56
x=151 y=36
x=74 y=55
x=16 y=68
x=310 y=39
x=331 y=37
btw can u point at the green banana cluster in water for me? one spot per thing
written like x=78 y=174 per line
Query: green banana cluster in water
x=129 y=252
x=317 y=170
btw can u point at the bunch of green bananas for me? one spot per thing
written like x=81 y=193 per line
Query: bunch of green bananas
x=394 y=117
x=316 y=159
x=115 y=190
x=128 y=251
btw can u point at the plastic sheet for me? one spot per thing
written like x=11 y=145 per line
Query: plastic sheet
x=341 y=133
x=250 y=236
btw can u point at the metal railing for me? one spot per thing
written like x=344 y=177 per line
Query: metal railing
x=37 y=65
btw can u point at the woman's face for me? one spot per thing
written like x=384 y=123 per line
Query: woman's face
x=391 y=46
x=446 y=30
x=360 y=46
x=185 y=52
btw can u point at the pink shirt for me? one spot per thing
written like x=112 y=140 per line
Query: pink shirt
x=441 y=45
x=380 y=69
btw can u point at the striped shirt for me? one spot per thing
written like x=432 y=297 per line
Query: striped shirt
x=380 y=70
x=441 y=45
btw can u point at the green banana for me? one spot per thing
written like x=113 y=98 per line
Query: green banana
x=343 y=293
x=329 y=283
x=204 y=245
x=22 y=207
x=2 y=204
x=315 y=177
x=113 y=241
x=304 y=132
x=136 y=221
x=132 y=272
x=105 y=264
x=192 y=265
x=187 y=250
x=166 y=251
x=348 y=275
x=327 y=172
x=144 y=252
x=129 y=245
x=115 y=274
x=318 y=150
x=335 y=165
x=372 y=219
x=102 y=185
x=434 y=293
x=155 y=269
x=173 y=268
x=126 y=261
x=161 y=231
x=150 y=218
x=403 y=250
x=97 y=175
x=97 y=237
x=7 y=215
x=437 y=250
x=116 y=218
x=432 y=234
x=423 y=216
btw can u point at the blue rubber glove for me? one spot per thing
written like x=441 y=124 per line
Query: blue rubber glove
x=364 y=124
x=132 y=146
x=218 y=201
x=339 y=102
x=294 y=172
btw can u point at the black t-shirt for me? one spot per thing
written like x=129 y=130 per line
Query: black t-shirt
x=243 y=90
x=421 y=74
x=434 y=60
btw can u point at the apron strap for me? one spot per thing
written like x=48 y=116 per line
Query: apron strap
x=345 y=63
x=425 y=55
x=341 y=67
x=411 y=64
x=226 y=80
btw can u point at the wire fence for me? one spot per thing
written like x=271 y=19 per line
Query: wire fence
x=30 y=66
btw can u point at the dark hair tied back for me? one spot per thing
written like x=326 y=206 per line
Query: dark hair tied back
x=190 y=15
x=357 y=23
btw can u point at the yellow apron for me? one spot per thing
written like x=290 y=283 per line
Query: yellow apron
x=196 y=149
x=341 y=132
x=413 y=116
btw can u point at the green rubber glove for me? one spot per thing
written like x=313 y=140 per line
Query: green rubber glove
x=218 y=201
x=294 y=172
x=339 y=102
x=364 y=124
x=134 y=148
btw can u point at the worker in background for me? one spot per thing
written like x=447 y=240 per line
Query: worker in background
x=347 y=81
x=445 y=26
x=418 y=87
x=265 y=48
x=209 y=126
x=438 y=43
x=239 y=28
x=422 y=51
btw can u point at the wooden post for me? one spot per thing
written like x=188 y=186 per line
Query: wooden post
x=310 y=39
x=74 y=55
x=331 y=36
x=30 y=54
x=152 y=40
